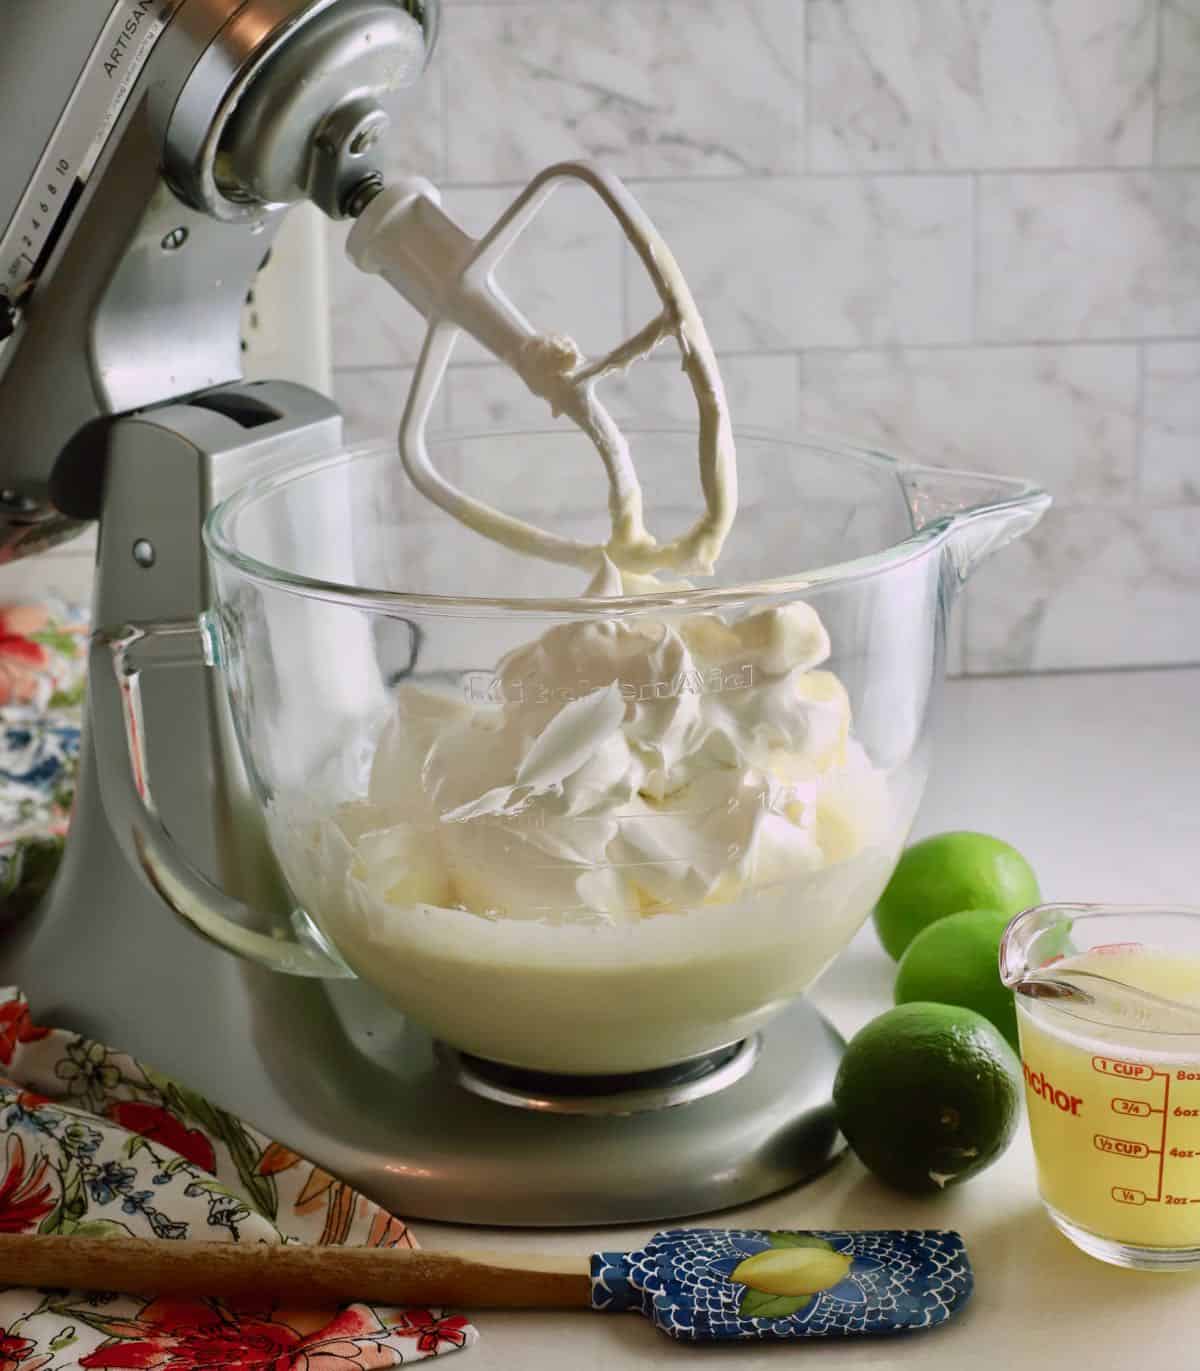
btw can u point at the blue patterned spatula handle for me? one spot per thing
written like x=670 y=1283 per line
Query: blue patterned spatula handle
x=706 y=1284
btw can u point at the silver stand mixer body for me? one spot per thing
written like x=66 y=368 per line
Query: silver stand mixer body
x=120 y=399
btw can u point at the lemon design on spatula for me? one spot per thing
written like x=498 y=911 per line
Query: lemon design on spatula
x=786 y=1277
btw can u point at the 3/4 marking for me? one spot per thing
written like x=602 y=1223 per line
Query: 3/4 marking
x=1133 y=1109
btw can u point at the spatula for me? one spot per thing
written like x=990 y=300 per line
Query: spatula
x=699 y=1285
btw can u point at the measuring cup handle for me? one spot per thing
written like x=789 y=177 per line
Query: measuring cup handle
x=116 y=660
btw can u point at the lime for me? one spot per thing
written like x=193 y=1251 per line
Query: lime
x=927 y=1095
x=957 y=961
x=946 y=873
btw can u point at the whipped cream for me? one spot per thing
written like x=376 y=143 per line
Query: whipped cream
x=635 y=843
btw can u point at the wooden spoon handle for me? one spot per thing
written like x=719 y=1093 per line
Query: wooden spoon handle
x=303 y=1274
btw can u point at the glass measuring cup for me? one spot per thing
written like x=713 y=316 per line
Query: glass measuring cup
x=1108 y=1012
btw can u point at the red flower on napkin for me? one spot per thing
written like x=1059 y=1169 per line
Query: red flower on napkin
x=187 y=1335
x=21 y=659
x=26 y=1197
x=15 y=1353
x=16 y=1027
x=431 y=1332
x=160 y=1125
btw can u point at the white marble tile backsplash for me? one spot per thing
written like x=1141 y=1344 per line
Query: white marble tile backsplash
x=1091 y=586
x=818 y=262
x=651 y=87
x=1089 y=255
x=1171 y=433
x=1178 y=129
x=1064 y=416
x=963 y=229
x=936 y=84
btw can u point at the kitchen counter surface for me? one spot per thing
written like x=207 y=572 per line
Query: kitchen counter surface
x=1096 y=778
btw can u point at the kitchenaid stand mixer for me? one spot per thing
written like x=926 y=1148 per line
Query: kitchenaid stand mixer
x=164 y=140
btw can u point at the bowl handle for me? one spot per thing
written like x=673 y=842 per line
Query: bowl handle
x=116 y=659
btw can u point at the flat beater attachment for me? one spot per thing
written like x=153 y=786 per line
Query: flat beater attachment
x=404 y=236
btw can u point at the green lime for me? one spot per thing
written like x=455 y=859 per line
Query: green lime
x=927 y=1095
x=957 y=961
x=946 y=873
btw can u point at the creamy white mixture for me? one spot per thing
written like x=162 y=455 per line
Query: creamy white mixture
x=647 y=840
x=646 y=835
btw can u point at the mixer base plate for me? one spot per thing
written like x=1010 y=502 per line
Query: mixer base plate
x=436 y=1150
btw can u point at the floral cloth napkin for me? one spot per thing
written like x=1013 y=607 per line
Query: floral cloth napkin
x=42 y=666
x=95 y=1142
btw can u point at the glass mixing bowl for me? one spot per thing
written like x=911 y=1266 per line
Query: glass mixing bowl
x=571 y=834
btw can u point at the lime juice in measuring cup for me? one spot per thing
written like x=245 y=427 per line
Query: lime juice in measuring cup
x=1108 y=1012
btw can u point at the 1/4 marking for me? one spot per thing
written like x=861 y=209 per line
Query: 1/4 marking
x=1123 y=1195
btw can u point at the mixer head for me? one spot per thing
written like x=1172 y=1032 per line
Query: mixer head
x=159 y=142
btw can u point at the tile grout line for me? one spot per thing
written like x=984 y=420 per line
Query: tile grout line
x=444 y=78
x=1139 y=437
x=801 y=383
x=850 y=349
x=1156 y=84
x=973 y=250
x=861 y=174
x=806 y=88
x=1117 y=668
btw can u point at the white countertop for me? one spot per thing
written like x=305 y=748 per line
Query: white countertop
x=1096 y=778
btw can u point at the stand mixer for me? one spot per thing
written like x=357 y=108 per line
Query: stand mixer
x=162 y=143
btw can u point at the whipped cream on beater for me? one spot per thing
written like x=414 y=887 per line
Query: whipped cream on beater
x=404 y=236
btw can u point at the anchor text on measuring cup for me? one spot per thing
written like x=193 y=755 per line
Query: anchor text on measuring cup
x=1048 y=1091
